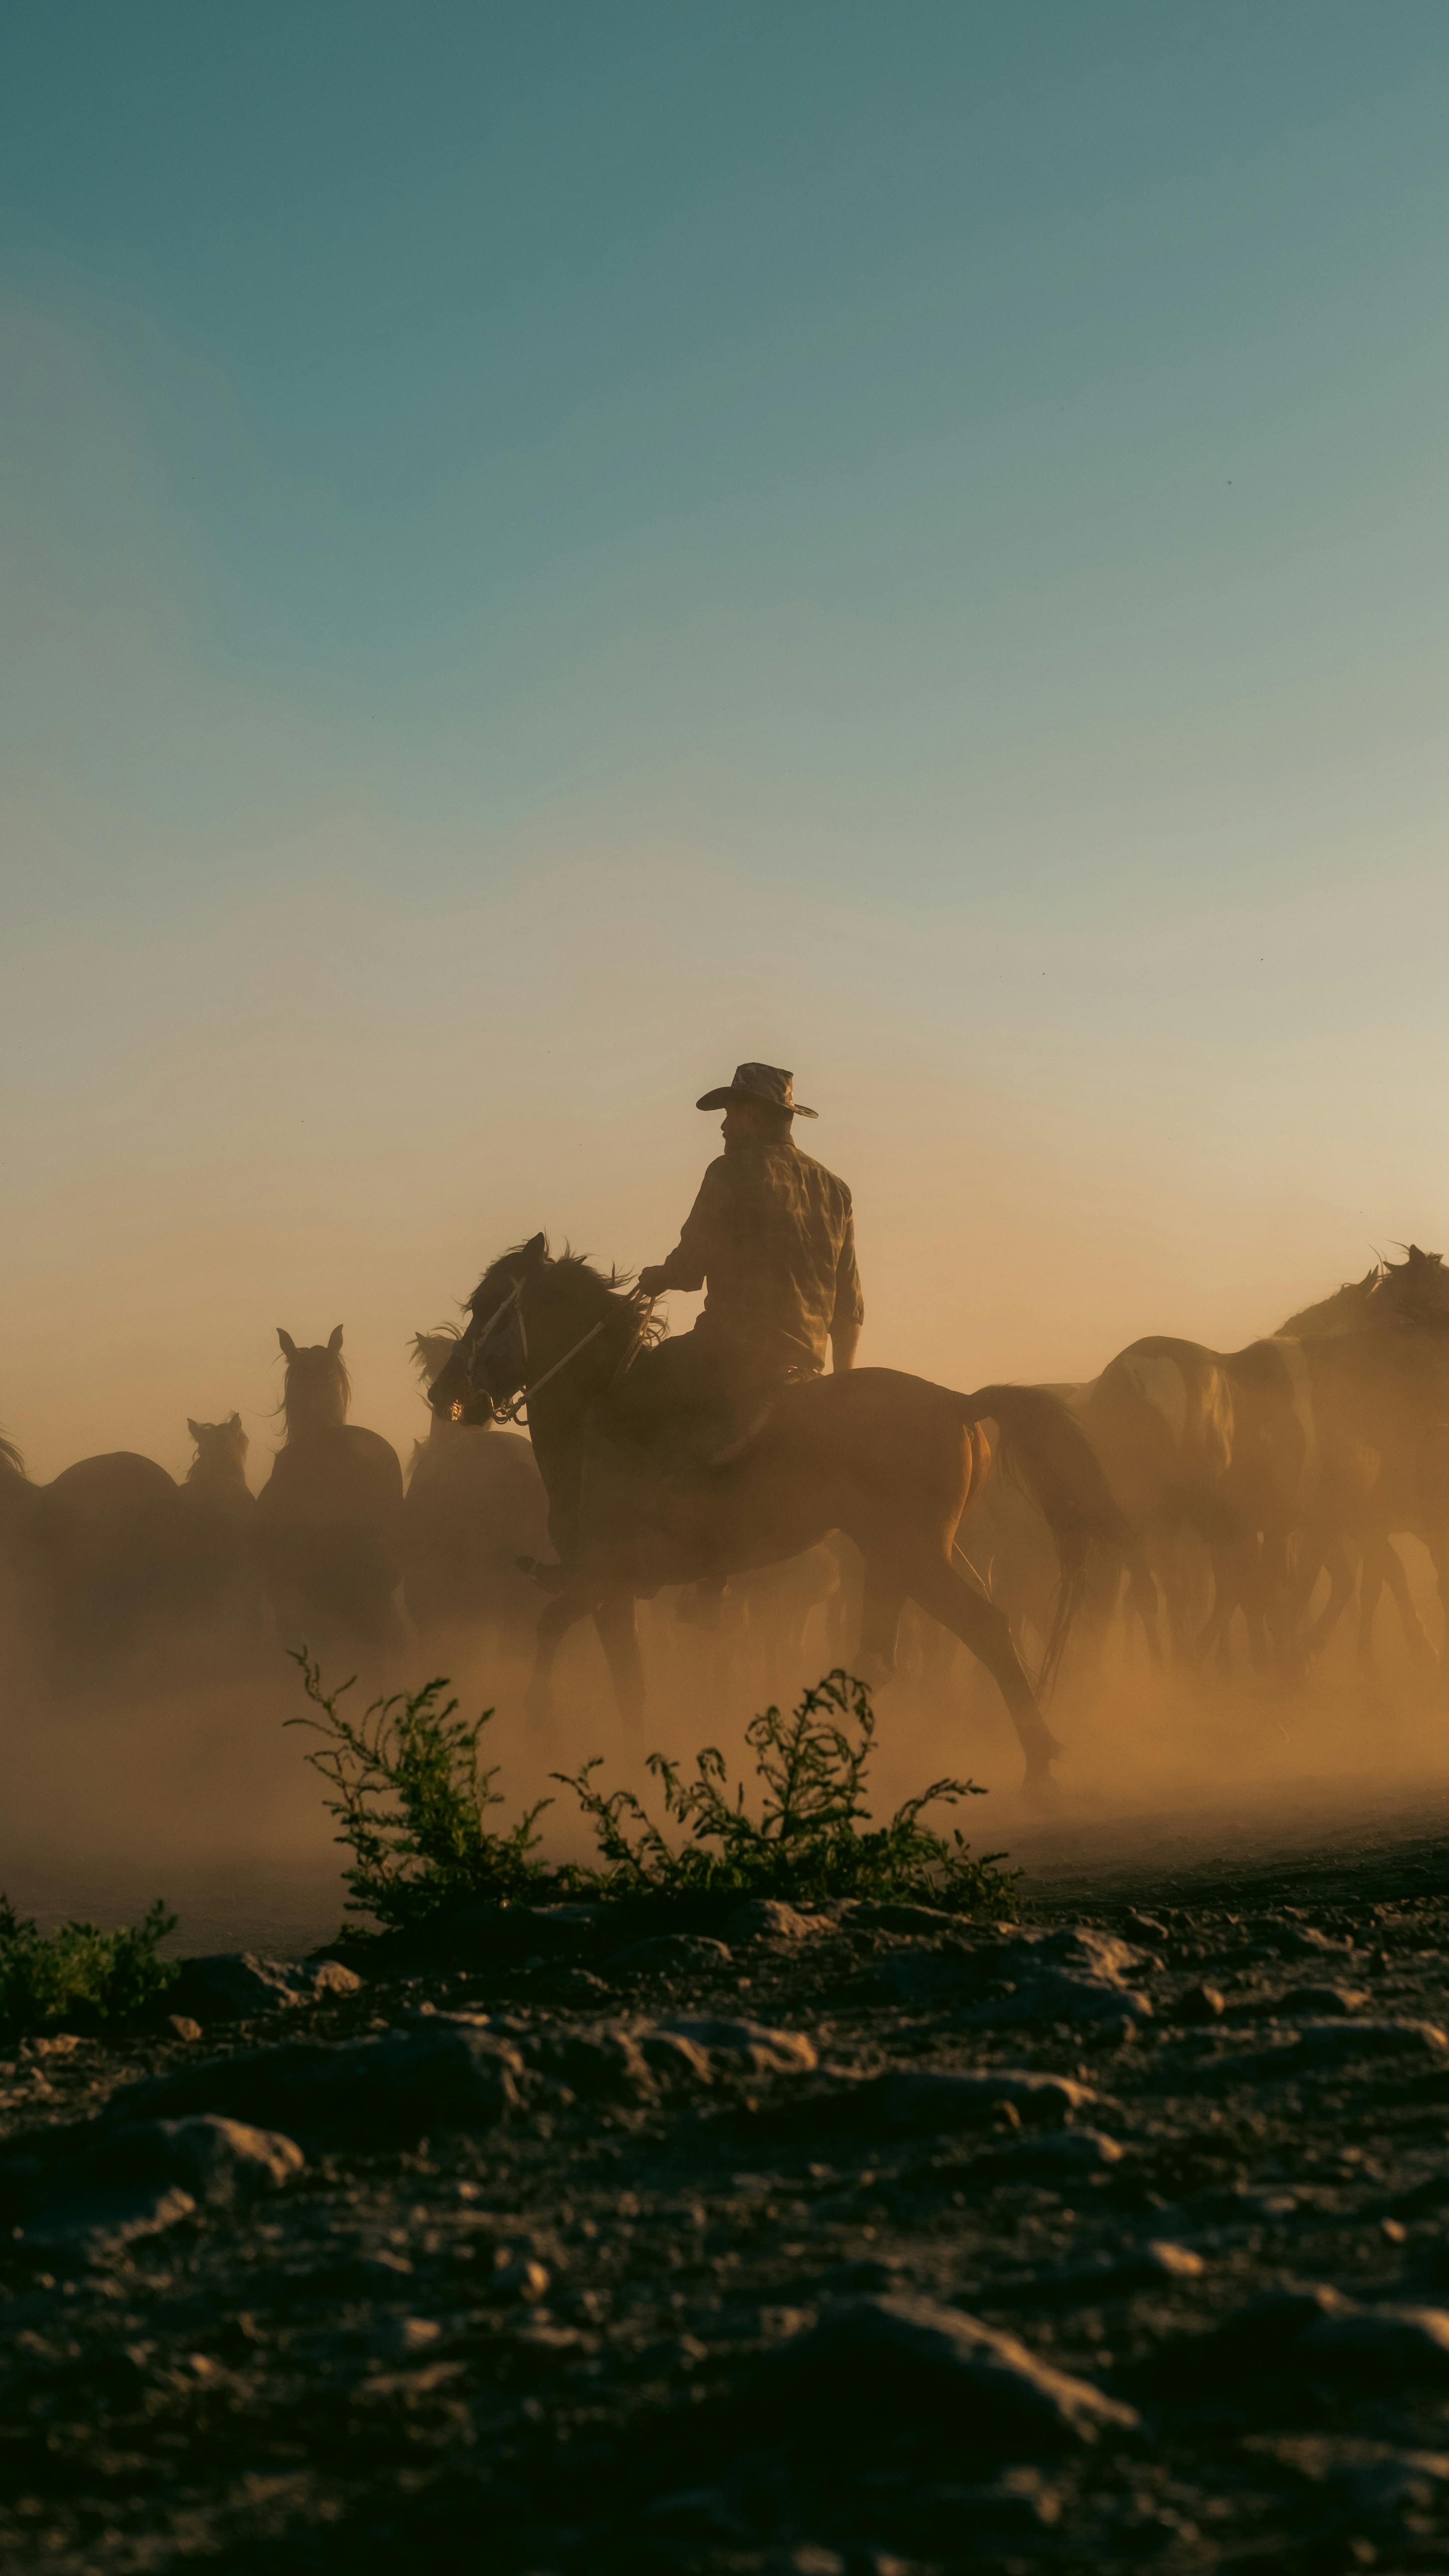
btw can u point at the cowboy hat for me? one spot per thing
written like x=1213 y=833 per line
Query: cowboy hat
x=764 y=1082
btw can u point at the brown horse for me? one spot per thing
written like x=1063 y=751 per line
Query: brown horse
x=95 y=1559
x=329 y=1516
x=219 y=1522
x=1235 y=1449
x=475 y=1504
x=889 y=1459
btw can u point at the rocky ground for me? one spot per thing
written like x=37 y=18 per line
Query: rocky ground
x=860 y=2242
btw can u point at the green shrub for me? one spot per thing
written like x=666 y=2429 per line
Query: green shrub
x=78 y=1978
x=412 y=1804
x=810 y=1839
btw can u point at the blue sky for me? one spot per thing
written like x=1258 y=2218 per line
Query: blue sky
x=548 y=550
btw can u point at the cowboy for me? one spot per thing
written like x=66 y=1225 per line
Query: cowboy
x=771 y=1238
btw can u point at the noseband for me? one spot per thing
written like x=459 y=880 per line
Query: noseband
x=513 y=1411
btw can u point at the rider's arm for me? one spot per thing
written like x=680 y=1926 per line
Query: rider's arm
x=688 y=1264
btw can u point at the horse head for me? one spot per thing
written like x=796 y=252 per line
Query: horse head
x=1414 y=1290
x=221 y=1452
x=317 y=1390
x=531 y=1315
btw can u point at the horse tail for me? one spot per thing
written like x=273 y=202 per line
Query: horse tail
x=1044 y=1448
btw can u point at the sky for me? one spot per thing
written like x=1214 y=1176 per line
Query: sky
x=546 y=552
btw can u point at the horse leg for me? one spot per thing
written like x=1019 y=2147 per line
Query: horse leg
x=1371 y=1575
x=1340 y=1592
x=880 y=1625
x=619 y=1636
x=555 y=1620
x=1389 y=1568
x=986 y=1633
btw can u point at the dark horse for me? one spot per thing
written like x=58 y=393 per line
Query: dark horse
x=329 y=1517
x=94 y=1560
x=890 y=1460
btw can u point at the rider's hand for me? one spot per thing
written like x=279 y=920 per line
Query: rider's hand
x=652 y=1281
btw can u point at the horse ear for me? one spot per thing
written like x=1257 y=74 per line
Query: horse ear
x=334 y=1340
x=193 y=1427
x=535 y=1251
x=235 y=1423
x=289 y=1347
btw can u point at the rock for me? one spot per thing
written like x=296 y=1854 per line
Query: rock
x=1323 y=1999
x=941 y=2098
x=673 y=1954
x=1258 y=2341
x=183 y=2027
x=767 y=1918
x=1078 y=1949
x=1320 y=2044
x=442 y=2074
x=699 y=2514
x=525 y=2280
x=135 y=2180
x=1145 y=1927
x=1199 y=2004
x=569 y=1925
x=926 y=1976
x=1156 y=2265
x=1017 y=2506
x=1076 y=1975
x=749 y=2045
x=897 y=2358
x=1381 y=2491
x=923 y=1920
x=232 y=1985
x=1325 y=2043
x=329 y=1977
x=1063 y=2155
x=668 y=2053
x=604 y=2062
x=1379 y=2345
x=402 y=2336
x=1305 y=1941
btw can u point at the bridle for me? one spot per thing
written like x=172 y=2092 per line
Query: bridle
x=512 y=1306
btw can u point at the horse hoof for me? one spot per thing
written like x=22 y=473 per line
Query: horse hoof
x=1041 y=1790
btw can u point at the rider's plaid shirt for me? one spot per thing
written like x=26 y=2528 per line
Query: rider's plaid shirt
x=772 y=1234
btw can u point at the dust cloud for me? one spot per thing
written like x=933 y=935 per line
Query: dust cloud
x=177 y=1774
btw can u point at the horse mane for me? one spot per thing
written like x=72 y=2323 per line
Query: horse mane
x=10 y=1456
x=501 y=1278
x=501 y=1275
x=1355 y=1295
x=423 y=1348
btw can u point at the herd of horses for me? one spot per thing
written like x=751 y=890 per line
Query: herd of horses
x=1192 y=1493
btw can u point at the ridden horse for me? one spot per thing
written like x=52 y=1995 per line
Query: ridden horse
x=889 y=1459
x=329 y=1517
x=475 y=1504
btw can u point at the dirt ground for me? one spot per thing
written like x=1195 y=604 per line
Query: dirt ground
x=856 y=2242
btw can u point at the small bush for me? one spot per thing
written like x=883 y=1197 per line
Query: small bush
x=810 y=1840
x=412 y=1804
x=78 y=1978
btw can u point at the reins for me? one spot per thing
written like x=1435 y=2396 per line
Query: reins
x=513 y=1411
